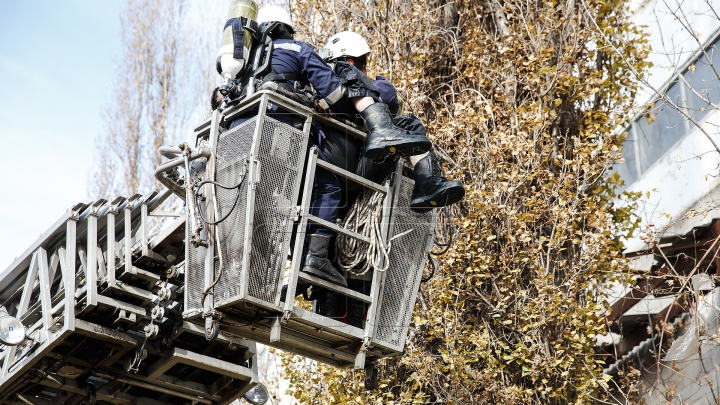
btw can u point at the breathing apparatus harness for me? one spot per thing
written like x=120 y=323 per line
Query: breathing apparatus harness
x=258 y=73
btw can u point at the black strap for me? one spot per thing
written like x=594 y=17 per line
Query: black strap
x=244 y=22
x=280 y=77
x=239 y=25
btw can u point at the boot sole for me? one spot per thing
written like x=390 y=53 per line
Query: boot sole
x=402 y=149
x=442 y=197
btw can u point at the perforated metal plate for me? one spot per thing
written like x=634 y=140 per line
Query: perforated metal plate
x=281 y=152
x=233 y=154
x=402 y=279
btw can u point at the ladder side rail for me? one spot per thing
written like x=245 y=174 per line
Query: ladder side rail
x=128 y=234
x=68 y=268
x=55 y=264
x=299 y=237
x=378 y=278
x=111 y=259
x=44 y=297
x=209 y=278
x=253 y=174
x=144 y=225
x=91 y=266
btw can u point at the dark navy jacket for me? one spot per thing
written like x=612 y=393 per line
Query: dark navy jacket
x=388 y=93
x=297 y=57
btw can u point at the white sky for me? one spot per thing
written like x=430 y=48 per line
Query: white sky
x=56 y=69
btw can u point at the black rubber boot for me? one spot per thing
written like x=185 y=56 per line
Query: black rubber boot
x=328 y=304
x=316 y=262
x=431 y=189
x=385 y=138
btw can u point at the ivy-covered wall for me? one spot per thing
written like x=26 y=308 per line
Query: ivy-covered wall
x=525 y=101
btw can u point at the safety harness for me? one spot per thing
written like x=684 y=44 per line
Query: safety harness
x=258 y=73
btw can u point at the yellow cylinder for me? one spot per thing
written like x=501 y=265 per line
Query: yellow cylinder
x=229 y=65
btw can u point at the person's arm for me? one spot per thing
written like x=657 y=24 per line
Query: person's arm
x=327 y=84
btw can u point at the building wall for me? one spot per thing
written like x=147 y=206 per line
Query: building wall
x=676 y=168
x=665 y=153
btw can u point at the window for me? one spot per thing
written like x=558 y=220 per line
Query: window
x=660 y=129
x=704 y=80
x=652 y=135
x=628 y=170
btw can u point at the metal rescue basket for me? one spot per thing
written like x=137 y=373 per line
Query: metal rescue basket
x=235 y=269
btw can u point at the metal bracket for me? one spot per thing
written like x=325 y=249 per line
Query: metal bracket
x=360 y=360
x=275 y=330
x=255 y=173
x=366 y=343
x=212 y=328
x=75 y=211
x=95 y=207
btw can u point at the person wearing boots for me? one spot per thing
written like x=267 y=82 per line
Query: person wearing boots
x=431 y=190
x=351 y=93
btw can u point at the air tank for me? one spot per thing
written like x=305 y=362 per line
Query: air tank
x=228 y=66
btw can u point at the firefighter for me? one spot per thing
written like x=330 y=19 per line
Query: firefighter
x=294 y=61
x=431 y=190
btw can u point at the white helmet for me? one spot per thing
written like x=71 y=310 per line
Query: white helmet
x=346 y=44
x=274 y=13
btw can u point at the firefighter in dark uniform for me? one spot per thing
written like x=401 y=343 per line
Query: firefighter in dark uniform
x=431 y=188
x=294 y=61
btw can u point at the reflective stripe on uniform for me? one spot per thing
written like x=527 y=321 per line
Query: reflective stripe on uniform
x=336 y=95
x=289 y=47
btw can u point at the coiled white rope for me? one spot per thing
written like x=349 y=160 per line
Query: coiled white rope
x=364 y=217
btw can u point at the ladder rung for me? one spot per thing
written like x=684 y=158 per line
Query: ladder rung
x=352 y=176
x=334 y=287
x=340 y=229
